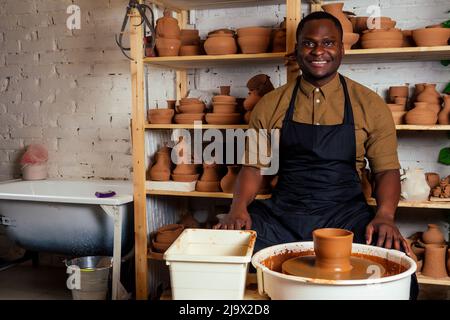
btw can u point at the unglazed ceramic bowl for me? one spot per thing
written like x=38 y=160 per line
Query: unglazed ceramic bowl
x=372 y=44
x=188 y=118
x=191 y=108
x=254 y=44
x=429 y=37
x=254 y=31
x=220 y=45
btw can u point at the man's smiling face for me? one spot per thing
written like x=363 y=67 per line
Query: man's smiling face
x=319 y=50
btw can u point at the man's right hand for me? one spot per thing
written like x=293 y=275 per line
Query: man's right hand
x=233 y=221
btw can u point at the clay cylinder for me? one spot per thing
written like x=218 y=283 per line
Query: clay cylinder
x=433 y=235
x=434 y=265
x=229 y=180
x=333 y=248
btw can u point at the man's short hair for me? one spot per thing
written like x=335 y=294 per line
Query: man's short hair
x=319 y=15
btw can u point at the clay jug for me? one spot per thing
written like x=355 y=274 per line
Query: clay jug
x=167 y=26
x=160 y=171
x=434 y=265
x=433 y=235
x=429 y=94
x=210 y=172
x=336 y=10
x=444 y=115
x=333 y=248
x=228 y=181
x=421 y=115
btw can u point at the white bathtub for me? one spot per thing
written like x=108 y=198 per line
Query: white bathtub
x=66 y=217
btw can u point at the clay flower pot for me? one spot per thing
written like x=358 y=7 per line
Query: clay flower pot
x=336 y=10
x=421 y=115
x=160 y=116
x=168 y=47
x=429 y=37
x=434 y=265
x=349 y=39
x=254 y=44
x=189 y=50
x=433 y=235
x=160 y=171
x=167 y=26
x=433 y=179
x=220 y=45
x=168 y=233
x=228 y=181
x=333 y=248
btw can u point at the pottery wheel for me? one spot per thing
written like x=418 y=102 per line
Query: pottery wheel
x=305 y=267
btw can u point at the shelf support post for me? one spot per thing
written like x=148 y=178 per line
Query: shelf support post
x=181 y=75
x=293 y=17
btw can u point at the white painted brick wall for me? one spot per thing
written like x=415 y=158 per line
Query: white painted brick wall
x=67 y=89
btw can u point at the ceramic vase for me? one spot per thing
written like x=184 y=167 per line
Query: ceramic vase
x=229 y=180
x=434 y=264
x=167 y=26
x=429 y=95
x=336 y=10
x=433 y=235
x=160 y=171
x=421 y=115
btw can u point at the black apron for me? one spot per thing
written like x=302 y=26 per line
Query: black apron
x=318 y=184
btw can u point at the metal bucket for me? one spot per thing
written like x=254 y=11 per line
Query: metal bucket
x=89 y=277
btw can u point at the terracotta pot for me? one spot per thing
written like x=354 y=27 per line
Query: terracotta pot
x=223 y=118
x=222 y=32
x=433 y=235
x=377 y=34
x=189 y=37
x=279 y=40
x=333 y=248
x=435 y=107
x=189 y=50
x=373 y=44
x=160 y=171
x=349 y=39
x=224 y=108
x=254 y=31
x=168 y=233
x=399 y=117
x=429 y=95
x=247 y=116
x=251 y=100
x=210 y=173
x=228 y=181
x=434 y=264
x=191 y=108
x=225 y=90
x=160 y=247
x=396 y=107
x=160 y=116
x=171 y=104
x=433 y=179
x=224 y=99
x=220 y=45
x=444 y=115
x=208 y=186
x=336 y=10
x=185 y=169
x=429 y=37
x=168 y=47
x=261 y=83
x=188 y=118
x=399 y=91
x=254 y=44
x=421 y=115
x=189 y=32
x=185 y=177
x=190 y=101
x=167 y=26
x=361 y=24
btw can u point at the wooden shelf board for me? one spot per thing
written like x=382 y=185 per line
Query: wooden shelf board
x=191 y=126
x=208 y=4
x=418 y=204
x=199 y=194
x=205 y=61
x=397 y=54
x=427 y=280
x=417 y=127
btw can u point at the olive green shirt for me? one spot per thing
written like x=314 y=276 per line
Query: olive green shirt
x=375 y=131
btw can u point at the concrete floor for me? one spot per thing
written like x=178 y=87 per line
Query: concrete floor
x=24 y=282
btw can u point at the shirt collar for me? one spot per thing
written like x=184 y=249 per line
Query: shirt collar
x=327 y=90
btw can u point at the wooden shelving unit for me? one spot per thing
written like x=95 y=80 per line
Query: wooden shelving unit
x=418 y=204
x=219 y=195
x=181 y=64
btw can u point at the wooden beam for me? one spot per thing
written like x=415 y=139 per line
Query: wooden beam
x=181 y=75
x=138 y=147
x=293 y=17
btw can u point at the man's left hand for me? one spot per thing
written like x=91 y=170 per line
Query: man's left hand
x=388 y=234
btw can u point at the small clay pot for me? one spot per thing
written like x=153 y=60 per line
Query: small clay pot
x=208 y=186
x=191 y=108
x=429 y=94
x=185 y=177
x=226 y=108
x=261 y=83
x=220 y=45
x=229 y=180
x=333 y=248
x=336 y=10
x=160 y=171
x=225 y=90
x=168 y=233
x=210 y=173
x=160 y=116
x=378 y=34
x=433 y=179
x=223 y=118
x=171 y=104
x=430 y=37
x=160 y=247
x=168 y=47
x=189 y=50
x=254 y=44
x=421 y=115
x=188 y=221
x=399 y=91
x=434 y=265
x=433 y=235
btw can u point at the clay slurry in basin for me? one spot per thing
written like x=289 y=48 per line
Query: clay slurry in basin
x=333 y=259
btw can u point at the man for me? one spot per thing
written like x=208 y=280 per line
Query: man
x=328 y=124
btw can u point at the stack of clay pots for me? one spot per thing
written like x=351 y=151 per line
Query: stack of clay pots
x=190 y=43
x=229 y=180
x=167 y=35
x=398 y=97
x=220 y=41
x=349 y=37
x=427 y=105
x=224 y=109
x=190 y=110
x=210 y=179
x=430 y=37
x=257 y=86
x=254 y=39
x=382 y=38
x=162 y=116
x=439 y=188
x=160 y=171
x=165 y=236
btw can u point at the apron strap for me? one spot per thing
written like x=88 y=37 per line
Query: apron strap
x=348 y=112
x=290 y=113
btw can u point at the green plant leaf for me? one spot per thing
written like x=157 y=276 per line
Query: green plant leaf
x=444 y=156
x=447 y=88
x=445 y=62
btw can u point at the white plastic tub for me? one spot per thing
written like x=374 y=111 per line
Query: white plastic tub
x=210 y=264
x=279 y=286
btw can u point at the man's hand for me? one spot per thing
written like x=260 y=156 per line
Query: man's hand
x=388 y=233
x=234 y=221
